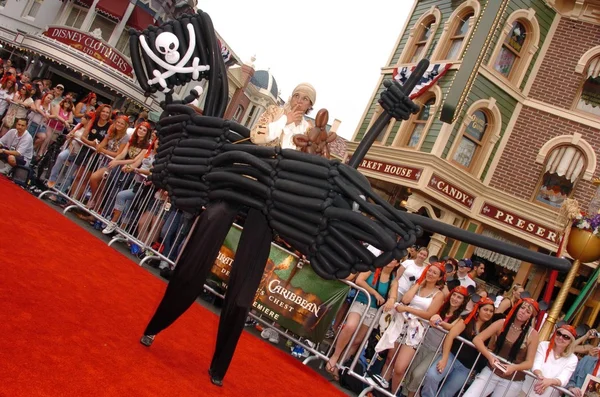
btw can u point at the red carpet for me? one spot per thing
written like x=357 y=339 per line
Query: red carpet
x=72 y=311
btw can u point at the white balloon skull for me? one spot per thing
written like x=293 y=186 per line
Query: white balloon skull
x=167 y=44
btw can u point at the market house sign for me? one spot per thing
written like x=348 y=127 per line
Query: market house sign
x=447 y=189
x=401 y=171
x=519 y=222
x=91 y=46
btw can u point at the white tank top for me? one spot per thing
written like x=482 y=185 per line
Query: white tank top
x=422 y=303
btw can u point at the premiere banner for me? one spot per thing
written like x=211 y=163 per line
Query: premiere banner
x=290 y=292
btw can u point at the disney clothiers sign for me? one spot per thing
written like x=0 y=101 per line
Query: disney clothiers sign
x=91 y=46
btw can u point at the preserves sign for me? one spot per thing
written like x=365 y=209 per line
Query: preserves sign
x=518 y=222
x=91 y=46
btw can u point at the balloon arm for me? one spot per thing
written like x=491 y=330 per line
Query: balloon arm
x=385 y=117
x=514 y=251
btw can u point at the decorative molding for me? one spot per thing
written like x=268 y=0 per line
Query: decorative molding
x=578 y=117
x=586 y=58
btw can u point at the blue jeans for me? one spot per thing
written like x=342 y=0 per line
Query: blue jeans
x=58 y=164
x=123 y=198
x=457 y=375
x=34 y=128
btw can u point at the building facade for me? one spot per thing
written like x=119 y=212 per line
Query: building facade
x=508 y=130
x=84 y=45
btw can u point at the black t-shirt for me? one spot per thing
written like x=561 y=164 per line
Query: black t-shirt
x=468 y=354
x=97 y=132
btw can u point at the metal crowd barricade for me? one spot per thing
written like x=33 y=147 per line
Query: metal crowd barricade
x=146 y=212
x=372 y=385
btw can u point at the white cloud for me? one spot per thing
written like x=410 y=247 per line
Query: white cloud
x=339 y=47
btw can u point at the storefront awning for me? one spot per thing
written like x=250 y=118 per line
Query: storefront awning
x=140 y=19
x=499 y=259
x=112 y=8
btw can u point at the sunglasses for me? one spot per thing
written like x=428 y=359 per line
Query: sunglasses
x=563 y=335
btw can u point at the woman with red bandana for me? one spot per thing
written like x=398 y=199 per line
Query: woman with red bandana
x=554 y=363
x=513 y=339
x=450 y=312
x=457 y=358
x=424 y=299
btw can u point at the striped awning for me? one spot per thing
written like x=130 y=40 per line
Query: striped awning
x=593 y=69
x=566 y=161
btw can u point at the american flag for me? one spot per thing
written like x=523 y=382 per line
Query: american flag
x=432 y=74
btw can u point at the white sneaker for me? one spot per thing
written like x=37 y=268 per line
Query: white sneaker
x=266 y=333
x=109 y=228
x=274 y=337
x=163 y=265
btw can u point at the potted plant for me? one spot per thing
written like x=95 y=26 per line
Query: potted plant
x=584 y=239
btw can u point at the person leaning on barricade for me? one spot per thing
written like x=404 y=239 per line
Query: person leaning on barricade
x=8 y=88
x=554 y=363
x=87 y=159
x=70 y=150
x=423 y=300
x=18 y=108
x=61 y=118
x=458 y=359
x=112 y=146
x=38 y=117
x=513 y=339
x=16 y=147
x=87 y=104
x=382 y=287
x=143 y=160
x=450 y=312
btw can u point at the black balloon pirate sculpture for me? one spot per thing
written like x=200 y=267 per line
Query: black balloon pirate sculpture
x=206 y=161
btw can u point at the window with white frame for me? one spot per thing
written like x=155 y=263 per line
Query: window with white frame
x=516 y=47
x=459 y=34
x=238 y=113
x=471 y=139
x=423 y=34
x=589 y=97
x=250 y=117
x=123 y=43
x=105 y=25
x=512 y=49
x=32 y=8
x=418 y=125
x=76 y=17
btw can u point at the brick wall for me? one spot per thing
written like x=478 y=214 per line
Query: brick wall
x=518 y=173
x=557 y=81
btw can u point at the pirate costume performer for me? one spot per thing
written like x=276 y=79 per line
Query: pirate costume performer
x=201 y=251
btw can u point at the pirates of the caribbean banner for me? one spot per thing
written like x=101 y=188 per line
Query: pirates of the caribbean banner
x=290 y=293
